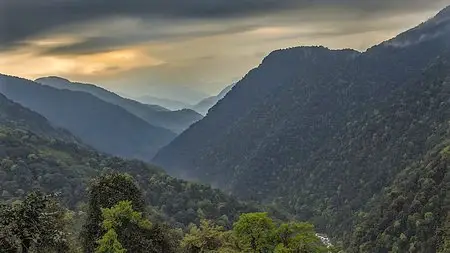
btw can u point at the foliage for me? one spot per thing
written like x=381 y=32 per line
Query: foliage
x=134 y=232
x=205 y=238
x=410 y=215
x=253 y=232
x=109 y=243
x=298 y=237
x=35 y=224
x=115 y=203
x=114 y=217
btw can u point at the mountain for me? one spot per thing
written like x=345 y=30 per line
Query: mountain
x=22 y=119
x=201 y=107
x=32 y=160
x=156 y=115
x=164 y=102
x=104 y=126
x=183 y=94
x=108 y=96
x=323 y=132
x=204 y=105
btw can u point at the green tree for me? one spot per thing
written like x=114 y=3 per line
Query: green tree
x=298 y=237
x=255 y=232
x=106 y=192
x=202 y=239
x=129 y=230
x=121 y=214
x=109 y=243
x=115 y=203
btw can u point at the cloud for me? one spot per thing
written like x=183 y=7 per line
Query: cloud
x=125 y=33
x=130 y=45
x=21 y=20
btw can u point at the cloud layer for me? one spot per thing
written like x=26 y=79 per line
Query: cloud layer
x=24 y=19
x=202 y=43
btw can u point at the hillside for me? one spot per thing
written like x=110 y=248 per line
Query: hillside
x=413 y=213
x=321 y=132
x=104 y=126
x=175 y=121
x=31 y=161
x=20 y=118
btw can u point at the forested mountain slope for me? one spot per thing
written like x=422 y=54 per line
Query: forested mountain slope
x=106 y=127
x=248 y=95
x=413 y=213
x=176 y=121
x=322 y=132
x=21 y=118
x=30 y=160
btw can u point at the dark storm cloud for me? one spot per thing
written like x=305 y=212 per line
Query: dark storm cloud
x=98 y=44
x=24 y=19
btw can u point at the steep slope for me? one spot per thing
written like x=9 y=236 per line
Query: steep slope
x=248 y=95
x=411 y=215
x=320 y=131
x=204 y=105
x=155 y=115
x=30 y=161
x=106 y=127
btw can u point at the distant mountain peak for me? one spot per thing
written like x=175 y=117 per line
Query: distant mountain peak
x=307 y=51
x=305 y=55
x=53 y=78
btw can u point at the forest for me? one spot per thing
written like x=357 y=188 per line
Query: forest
x=128 y=206
x=118 y=221
x=315 y=150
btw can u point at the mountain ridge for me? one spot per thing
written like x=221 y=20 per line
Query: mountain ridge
x=155 y=115
x=164 y=102
x=106 y=127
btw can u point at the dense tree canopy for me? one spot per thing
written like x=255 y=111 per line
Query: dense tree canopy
x=35 y=224
x=118 y=222
x=255 y=233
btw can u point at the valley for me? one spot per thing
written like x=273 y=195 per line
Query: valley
x=315 y=150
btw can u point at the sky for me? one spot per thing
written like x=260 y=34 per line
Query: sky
x=140 y=47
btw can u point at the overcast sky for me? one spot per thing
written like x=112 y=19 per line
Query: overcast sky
x=131 y=45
